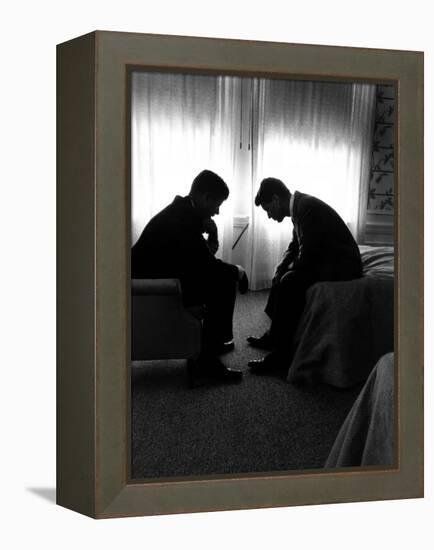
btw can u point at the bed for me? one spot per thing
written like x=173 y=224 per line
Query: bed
x=347 y=326
x=367 y=435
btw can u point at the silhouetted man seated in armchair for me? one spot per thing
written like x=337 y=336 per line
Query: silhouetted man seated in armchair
x=173 y=245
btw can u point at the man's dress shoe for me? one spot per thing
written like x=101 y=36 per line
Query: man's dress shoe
x=266 y=365
x=224 y=347
x=261 y=342
x=214 y=368
x=230 y=375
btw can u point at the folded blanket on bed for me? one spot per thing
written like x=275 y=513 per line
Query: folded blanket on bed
x=346 y=326
x=377 y=261
x=367 y=435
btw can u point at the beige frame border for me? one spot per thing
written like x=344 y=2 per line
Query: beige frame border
x=93 y=274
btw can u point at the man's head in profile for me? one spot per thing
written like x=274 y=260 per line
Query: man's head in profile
x=208 y=192
x=274 y=197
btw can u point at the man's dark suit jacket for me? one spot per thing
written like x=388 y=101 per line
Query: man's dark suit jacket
x=172 y=245
x=322 y=245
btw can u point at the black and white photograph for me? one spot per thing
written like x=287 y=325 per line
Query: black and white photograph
x=262 y=274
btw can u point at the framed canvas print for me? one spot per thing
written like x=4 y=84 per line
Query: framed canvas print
x=240 y=274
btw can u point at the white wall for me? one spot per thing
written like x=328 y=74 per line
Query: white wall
x=30 y=31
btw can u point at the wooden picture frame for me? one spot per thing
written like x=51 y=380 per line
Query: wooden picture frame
x=94 y=282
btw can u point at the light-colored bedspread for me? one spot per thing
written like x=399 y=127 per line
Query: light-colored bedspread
x=367 y=435
x=346 y=326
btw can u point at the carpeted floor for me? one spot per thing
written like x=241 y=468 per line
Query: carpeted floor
x=261 y=424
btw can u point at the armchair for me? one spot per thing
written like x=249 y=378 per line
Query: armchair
x=161 y=326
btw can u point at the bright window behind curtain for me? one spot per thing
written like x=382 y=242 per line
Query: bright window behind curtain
x=316 y=137
x=181 y=125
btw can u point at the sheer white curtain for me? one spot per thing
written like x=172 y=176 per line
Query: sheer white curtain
x=181 y=125
x=316 y=137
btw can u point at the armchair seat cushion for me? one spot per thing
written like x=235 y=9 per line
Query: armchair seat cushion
x=155 y=287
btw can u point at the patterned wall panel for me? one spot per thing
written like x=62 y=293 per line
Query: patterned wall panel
x=381 y=185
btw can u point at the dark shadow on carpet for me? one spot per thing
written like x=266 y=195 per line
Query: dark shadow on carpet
x=261 y=424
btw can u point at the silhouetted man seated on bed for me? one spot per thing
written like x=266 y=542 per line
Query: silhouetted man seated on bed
x=322 y=249
x=173 y=245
